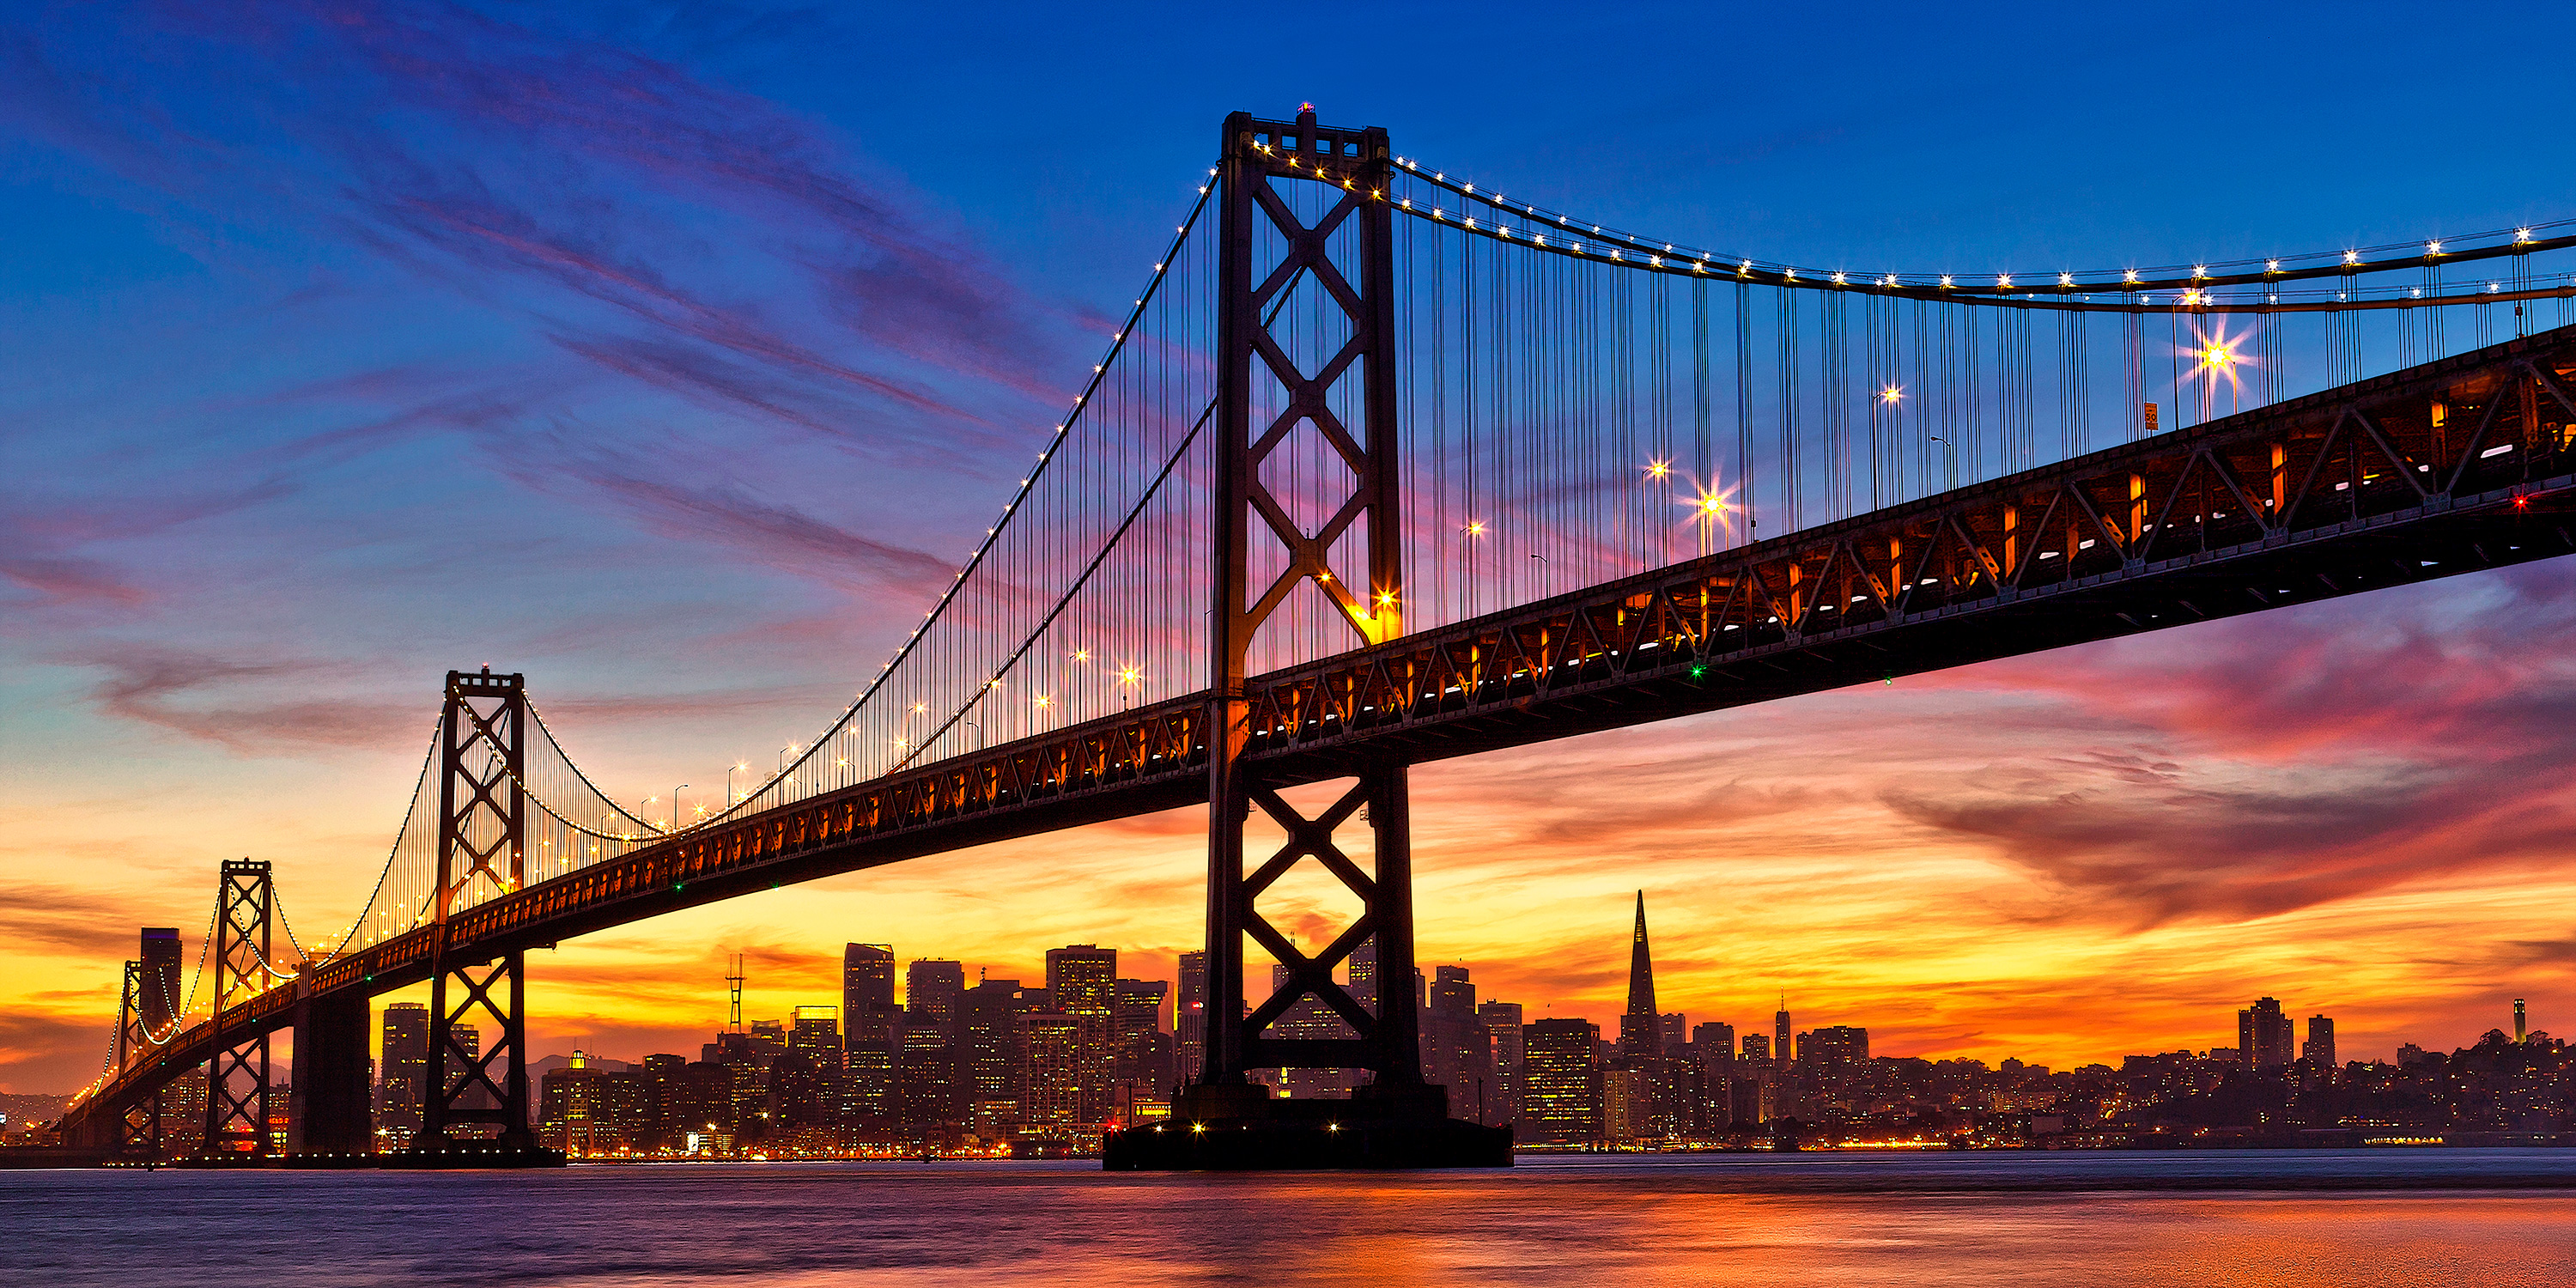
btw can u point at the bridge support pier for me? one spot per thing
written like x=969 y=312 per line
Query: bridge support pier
x=1229 y=1122
x=463 y=1092
x=328 y=1109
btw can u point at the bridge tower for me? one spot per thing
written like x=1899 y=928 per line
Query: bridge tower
x=1268 y=547
x=481 y=837
x=139 y=1127
x=237 y=1077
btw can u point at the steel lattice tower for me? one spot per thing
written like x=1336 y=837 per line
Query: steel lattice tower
x=1259 y=159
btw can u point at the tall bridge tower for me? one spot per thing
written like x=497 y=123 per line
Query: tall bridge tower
x=482 y=837
x=1344 y=542
x=237 y=1078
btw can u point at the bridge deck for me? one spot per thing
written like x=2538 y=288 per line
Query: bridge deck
x=2454 y=466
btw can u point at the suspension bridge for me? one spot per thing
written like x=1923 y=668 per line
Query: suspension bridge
x=1383 y=466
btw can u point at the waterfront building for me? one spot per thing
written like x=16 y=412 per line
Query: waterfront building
x=1561 y=1091
x=1057 y=1063
x=405 y=1058
x=1083 y=978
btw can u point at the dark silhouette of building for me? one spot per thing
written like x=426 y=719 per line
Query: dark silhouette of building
x=1457 y=1051
x=159 y=1004
x=2263 y=1035
x=2519 y=1033
x=1713 y=1045
x=1780 y=1048
x=2320 y=1049
x=1360 y=972
x=1561 y=1096
x=805 y=1080
x=1835 y=1049
x=934 y=987
x=1640 y=1028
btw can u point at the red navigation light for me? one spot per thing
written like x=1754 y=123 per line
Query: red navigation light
x=2522 y=503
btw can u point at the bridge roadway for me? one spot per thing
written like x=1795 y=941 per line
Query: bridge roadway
x=2454 y=466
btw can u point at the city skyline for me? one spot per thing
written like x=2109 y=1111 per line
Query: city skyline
x=1037 y=1068
x=718 y=393
x=2298 y=1029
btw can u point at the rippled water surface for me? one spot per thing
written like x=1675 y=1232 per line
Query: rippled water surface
x=2289 y=1218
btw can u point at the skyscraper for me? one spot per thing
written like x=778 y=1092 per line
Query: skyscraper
x=927 y=1072
x=1714 y=1045
x=159 y=1003
x=2263 y=1035
x=1561 y=1091
x=1502 y=1021
x=1457 y=1051
x=1140 y=1042
x=1084 y=981
x=1838 y=1049
x=1361 y=972
x=994 y=1064
x=1640 y=1028
x=1780 y=1051
x=871 y=1030
x=934 y=985
x=403 y=1067
x=807 y=1079
x=1057 y=1063
x=2320 y=1049
x=1189 y=1017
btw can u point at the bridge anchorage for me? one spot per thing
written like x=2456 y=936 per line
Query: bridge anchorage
x=1382 y=470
